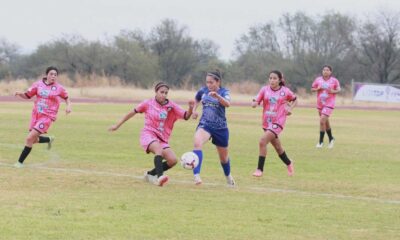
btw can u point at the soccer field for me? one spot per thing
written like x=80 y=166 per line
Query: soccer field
x=89 y=185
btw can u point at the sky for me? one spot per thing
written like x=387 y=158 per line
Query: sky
x=29 y=23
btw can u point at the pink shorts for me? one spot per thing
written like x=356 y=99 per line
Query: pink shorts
x=40 y=123
x=327 y=111
x=148 y=137
x=275 y=128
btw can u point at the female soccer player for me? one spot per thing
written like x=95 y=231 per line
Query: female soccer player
x=212 y=124
x=160 y=116
x=48 y=93
x=326 y=87
x=278 y=102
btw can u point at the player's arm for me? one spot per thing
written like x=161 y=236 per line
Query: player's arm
x=21 y=95
x=195 y=114
x=223 y=101
x=315 y=89
x=335 y=90
x=68 y=109
x=128 y=116
x=291 y=105
x=189 y=112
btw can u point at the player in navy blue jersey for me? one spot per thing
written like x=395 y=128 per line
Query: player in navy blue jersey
x=212 y=124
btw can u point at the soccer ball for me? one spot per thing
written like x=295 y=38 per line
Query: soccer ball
x=189 y=160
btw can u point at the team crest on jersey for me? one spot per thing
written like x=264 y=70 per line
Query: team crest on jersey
x=282 y=93
x=163 y=115
x=325 y=85
x=273 y=100
x=41 y=126
x=274 y=126
x=44 y=93
x=53 y=88
x=169 y=109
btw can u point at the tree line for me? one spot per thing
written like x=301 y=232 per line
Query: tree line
x=297 y=44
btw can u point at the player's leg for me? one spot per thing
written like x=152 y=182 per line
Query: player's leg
x=29 y=141
x=225 y=164
x=322 y=128
x=329 y=133
x=201 y=136
x=156 y=148
x=282 y=155
x=266 y=138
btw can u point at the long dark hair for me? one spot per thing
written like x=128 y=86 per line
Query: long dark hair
x=280 y=76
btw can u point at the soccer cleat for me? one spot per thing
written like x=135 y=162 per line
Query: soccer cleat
x=50 y=142
x=149 y=178
x=290 y=169
x=161 y=181
x=319 y=145
x=230 y=181
x=257 y=173
x=197 y=179
x=331 y=143
x=18 y=165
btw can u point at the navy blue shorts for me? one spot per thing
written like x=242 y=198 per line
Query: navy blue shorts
x=220 y=137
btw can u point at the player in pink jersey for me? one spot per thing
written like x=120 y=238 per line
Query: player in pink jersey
x=278 y=102
x=48 y=93
x=160 y=116
x=326 y=87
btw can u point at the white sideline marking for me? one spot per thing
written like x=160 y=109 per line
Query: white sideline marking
x=253 y=189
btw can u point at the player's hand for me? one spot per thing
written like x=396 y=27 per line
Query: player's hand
x=195 y=115
x=191 y=103
x=254 y=104
x=213 y=94
x=18 y=93
x=289 y=112
x=113 y=128
x=68 y=110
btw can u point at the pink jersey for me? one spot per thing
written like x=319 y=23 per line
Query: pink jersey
x=324 y=97
x=159 y=118
x=47 y=98
x=274 y=105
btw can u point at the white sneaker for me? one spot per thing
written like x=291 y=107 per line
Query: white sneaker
x=331 y=143
x=18 y=165
x=162 y=180
x=50 y=142
x=197 y=179
x=230 y=181
x=319 y=145
x=149 y=178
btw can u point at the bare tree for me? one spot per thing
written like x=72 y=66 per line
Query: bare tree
x=379 y=48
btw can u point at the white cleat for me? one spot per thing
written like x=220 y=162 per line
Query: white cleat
x=149 y=178
x=18 y=165
x=319 y=145
x=230 y=181
x=50 y=142
x=197 y=179
x=331 y=143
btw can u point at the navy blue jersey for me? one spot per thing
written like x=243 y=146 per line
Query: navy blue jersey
x=213 y=112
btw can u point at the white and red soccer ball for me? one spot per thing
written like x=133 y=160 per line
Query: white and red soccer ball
x=189 y=160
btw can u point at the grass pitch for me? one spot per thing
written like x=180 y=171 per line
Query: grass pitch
x=88 y=186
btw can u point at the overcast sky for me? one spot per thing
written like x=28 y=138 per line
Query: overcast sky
x=29 y=23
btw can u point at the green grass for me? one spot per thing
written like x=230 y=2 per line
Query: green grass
x=349 y=192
